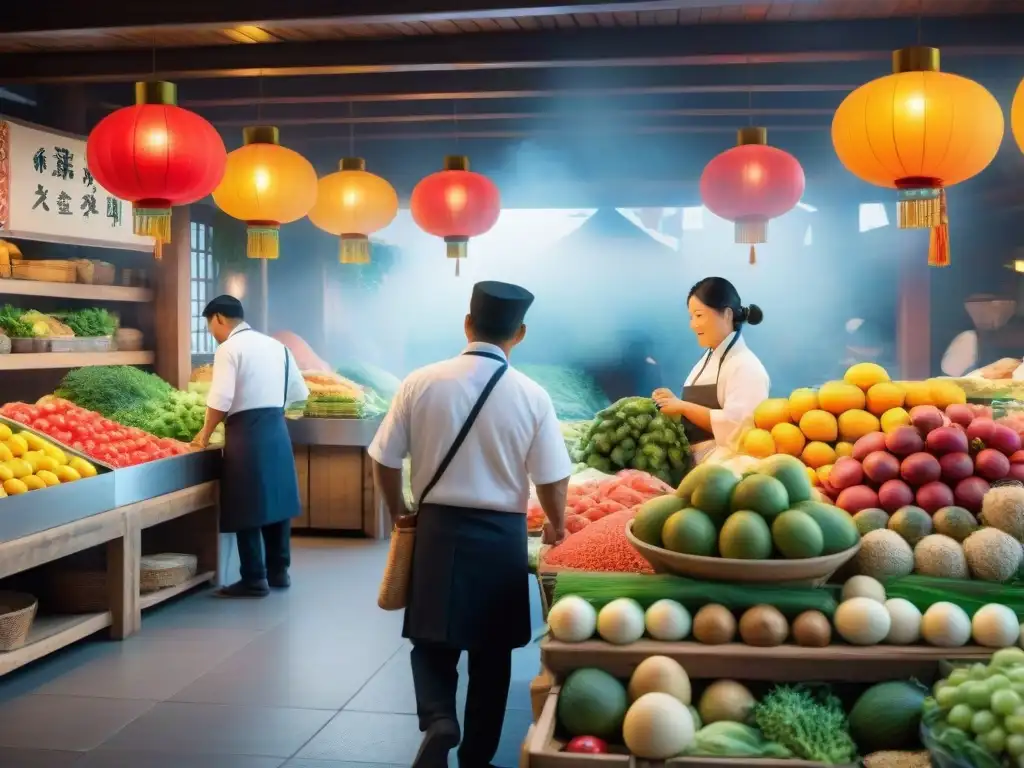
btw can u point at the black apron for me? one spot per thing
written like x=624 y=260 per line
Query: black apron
x=469 y=588
x=705 y=395
x=258 y=485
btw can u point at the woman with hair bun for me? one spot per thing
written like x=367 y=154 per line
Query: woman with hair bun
x=728 y=382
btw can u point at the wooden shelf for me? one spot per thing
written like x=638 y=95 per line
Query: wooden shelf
x=150 y=599
x=32 y=361
x=81 y=291
x=784 y=663
x=51 y=633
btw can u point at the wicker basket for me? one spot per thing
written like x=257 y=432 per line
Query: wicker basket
x=95 y=272
x=49 y=271
x=394 y=587
x=165 y=571
x=17 y=612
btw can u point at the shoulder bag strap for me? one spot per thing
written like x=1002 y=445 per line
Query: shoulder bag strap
x=460 y=438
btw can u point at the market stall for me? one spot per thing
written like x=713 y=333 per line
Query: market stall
x=851 y=594
x=105 y=510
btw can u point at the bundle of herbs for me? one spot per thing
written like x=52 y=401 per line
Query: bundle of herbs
x=13 y=325
x=89 y=323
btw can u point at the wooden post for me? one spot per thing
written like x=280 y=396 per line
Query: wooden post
x=913 y=309
x=123 y=566
x=173 y=321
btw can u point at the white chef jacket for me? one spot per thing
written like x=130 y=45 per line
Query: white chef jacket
x=516 y=437
x=742 y=385
x=248 y=373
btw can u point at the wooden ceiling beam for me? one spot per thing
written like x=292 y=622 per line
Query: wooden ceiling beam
x=807 y=43
x=66 y=17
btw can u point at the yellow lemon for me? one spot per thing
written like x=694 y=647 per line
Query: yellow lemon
x=19 y=467
x=33 y=483
x=44 y=462
x=758 y=443
x=47 y=477
x=5 y=473
x=918 y=393
x=865 y=375
x=838 y=397
x=66 y=474
x=771 y=412
x=34 y=442
x=56 y=454
x=82 y=467
x=817 y=454
x=5 y=432
x=788 y=438
x=14 y=487
x=819 y=425
x=33 y=457
x=894 y=418
x=800 y=402
x=844 y=449
x=17 y=445
x=853 y=425
x=885 y=396
x=5 y=453
x=946 y=393
x=813 y=476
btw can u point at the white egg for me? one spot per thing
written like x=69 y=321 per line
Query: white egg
x=862 y=621
x=863 y=586
x=995 y=626
x=906 y=622
x=946 y=625
x=668 y=620
x=621 y=621
x=572 y=620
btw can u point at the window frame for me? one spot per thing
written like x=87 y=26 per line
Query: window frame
x=203 y=279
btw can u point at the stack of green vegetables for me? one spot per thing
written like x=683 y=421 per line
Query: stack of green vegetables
x=138 y=399
x=575 y=395
x=631 y=433
x=89 y=323
x=12 y=324
x=333 y=407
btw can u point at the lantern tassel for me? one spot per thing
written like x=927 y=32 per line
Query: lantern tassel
x=354 y=249
x=263 y=241
x=938 y=243
x=152 y=222
x=753 y=254
x=919 y=208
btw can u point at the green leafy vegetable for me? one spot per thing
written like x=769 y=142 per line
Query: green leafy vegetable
x=13 y=325
x=89 y=322
x=725 y=739
x=810 y=723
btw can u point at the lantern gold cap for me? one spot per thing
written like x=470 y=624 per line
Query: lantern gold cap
x=456 y=163
x=918 y=58
x=751 y=135
x=352 y=164
x=261 y=134
x=156 y=92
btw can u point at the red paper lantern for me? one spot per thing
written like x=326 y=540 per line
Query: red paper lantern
x=156 y=155
x=750 y=184
x=455 y=204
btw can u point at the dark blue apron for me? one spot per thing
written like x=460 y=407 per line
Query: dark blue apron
x=258 y=485
x=469 y=588
x=705 y=395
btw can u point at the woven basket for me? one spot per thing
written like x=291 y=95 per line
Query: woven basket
x=166 y=570
x=394 y=587
x=17 y=612
x=128 y=340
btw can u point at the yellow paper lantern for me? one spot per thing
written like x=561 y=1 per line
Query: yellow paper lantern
x=919 y=131
x=353 y=204
x=265 y=185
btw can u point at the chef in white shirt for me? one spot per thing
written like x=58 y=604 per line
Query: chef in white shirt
x=728 y=382
x=254 y=379
x=477 y=431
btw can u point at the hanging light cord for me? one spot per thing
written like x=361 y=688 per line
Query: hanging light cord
x=351 y=130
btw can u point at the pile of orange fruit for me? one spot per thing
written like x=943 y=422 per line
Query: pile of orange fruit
x=820 y=425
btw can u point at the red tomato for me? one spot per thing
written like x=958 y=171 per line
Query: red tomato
x=58 y=421
x=48 y=408
x=62 y=437
x=117 y=435
x=77 y=445
x=139 y=457
x=101 y=438
x=41 y=424
x=141 y=442
x=587 y=745
x=21 y=417
x=108 y=424
x=90 y=446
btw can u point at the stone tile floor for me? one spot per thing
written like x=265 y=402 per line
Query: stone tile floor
x=316 y=677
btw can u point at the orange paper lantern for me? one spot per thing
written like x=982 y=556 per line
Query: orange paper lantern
x=265 y=185
x=919 y=131
x=353 y=204
x=1017 y=116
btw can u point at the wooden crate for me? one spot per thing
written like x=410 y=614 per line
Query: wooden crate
x=49 y=270
x=542 y=749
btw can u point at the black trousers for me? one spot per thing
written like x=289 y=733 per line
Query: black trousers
x=275 y=539
x=436 y=678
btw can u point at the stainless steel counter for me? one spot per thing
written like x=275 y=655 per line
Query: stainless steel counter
x=349 y=433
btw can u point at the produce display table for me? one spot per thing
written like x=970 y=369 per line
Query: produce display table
x=336 y=476
x=185 y=520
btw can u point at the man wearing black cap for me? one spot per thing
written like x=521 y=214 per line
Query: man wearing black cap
x=254 y=379
x=478 y=431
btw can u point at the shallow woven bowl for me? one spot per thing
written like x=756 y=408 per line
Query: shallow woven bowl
x=812 y=571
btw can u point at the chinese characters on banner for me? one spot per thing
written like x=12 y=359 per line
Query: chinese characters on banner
x=48 y=193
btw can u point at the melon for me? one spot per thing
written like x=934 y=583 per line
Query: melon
x=745 y=536
x=906 y=622
x=945 y=625
x=689 y=532
x=651 y=516
x=592 y=703
x=797 y=536
x=887 y=716
x=791 y=472
x=862 y=621
x=572 y=619
x=838 y=530
x=692 y=479
x=884 y=554
x=992 y=555
x=868 y=520
x=668 y=620
x=714 y=492
x=995 y=626
x=658 y=726
x=621 y=622
x=660 y=674
x=762 y=494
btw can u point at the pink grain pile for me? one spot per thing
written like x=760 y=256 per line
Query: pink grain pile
x=600 y=546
